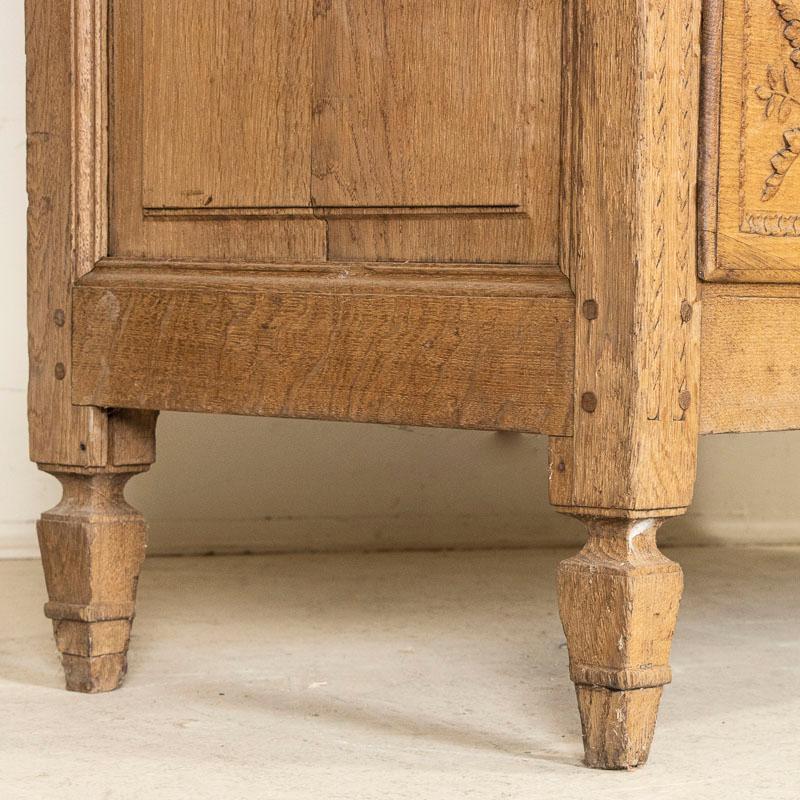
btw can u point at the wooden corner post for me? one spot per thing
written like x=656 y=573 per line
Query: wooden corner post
x=92 y=543
x=628 y=245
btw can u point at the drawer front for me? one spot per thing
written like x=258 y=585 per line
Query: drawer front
x=750 y=174
x=341 y=130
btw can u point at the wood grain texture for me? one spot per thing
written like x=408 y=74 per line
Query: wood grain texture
x=407 y=93
x=709 y=155
x=628 y=246
x=488 y=238
x=750 y=358
x=465 y=351
x=618 y=727
x=297 y=237
x=227 y=103
x=92 y=543
x=67 y=229
x=435 y=140
x=58 y=431
x=403 y=131
x=629 y=226
x=92 y=547
x=750 y=198
x=618 y=600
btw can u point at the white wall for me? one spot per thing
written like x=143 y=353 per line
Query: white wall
x=224 y=483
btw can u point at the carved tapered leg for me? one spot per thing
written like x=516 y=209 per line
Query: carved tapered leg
x=619 y=602
x=628 y=236
x=92 y=545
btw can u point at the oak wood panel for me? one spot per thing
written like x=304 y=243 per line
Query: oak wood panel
x=418 y=103
x=464 y=117
x=750 y=378
x=452 y=351
x=630 y=230
x=227 y=103
x=750 y=181
x=425 y=138
x=489 y=238
x=135 y=234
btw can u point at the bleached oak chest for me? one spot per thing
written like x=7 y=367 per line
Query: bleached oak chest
x=576 y=218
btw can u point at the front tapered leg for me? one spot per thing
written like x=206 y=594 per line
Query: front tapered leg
x=619 y=602
x=92 y=546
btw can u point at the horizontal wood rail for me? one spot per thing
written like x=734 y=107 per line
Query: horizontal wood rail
x=473 y=346
x=442 y=345
x=750 y=365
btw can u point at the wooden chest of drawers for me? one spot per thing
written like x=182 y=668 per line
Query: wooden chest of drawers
x=574 y=218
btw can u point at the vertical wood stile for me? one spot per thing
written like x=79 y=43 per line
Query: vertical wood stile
x=628 y=245
x=628 y=234
x=92 y=543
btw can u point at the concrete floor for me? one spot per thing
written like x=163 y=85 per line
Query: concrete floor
x=409 y=675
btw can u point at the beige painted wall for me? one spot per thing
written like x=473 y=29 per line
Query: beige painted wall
x=225 y=483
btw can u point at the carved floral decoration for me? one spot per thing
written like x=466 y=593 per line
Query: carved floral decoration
x=781 y=98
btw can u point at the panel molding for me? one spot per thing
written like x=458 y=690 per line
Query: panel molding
x=330 y=212
x=523 y=230
x=749 y=189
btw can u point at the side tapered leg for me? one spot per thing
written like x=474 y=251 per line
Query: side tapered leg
x=618 y=600
x=631 y=94
x=92 y=546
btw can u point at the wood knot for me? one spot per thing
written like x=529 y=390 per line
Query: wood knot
x=686 y=312
x=60 y=371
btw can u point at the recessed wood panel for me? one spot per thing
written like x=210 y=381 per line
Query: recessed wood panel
x=434 y=104
x=223 y=234
x=751 y=164
x=227 y=103
x=487 y=237
x=292 y=130
x=418 y=103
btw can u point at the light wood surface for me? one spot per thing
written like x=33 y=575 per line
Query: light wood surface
x=92 y=547
x=385 y=144
x=619 y=604
x=231 y=236
x=59 y=431
x=751 y=353
x=243 y=67
x=628 y=233
x=358 y=211
x=92 y=543
x=469 y=350
x=750 y=211
x=66 y=233
x=341 y=132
